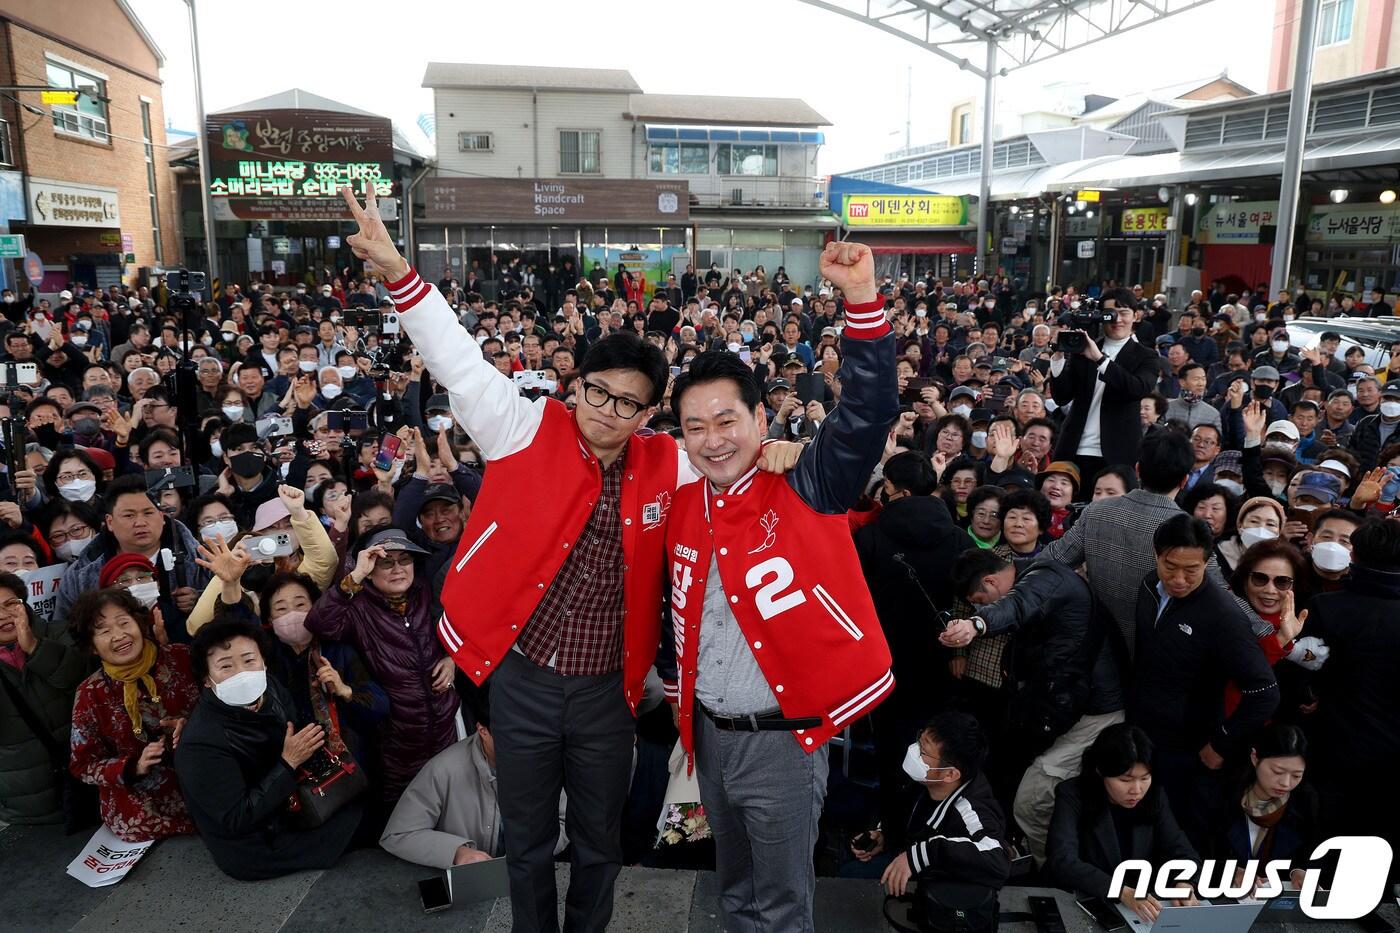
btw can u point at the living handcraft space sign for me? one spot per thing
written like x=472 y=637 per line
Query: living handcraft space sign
x=897 y=210
x=291 y=164
x=554 y=200
x=65 y=204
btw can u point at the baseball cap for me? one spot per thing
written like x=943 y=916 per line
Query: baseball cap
x=392 y=539
x=440 y=492
x=1391 y=389
x=796 y=301
x=65 y=295
x=962 y=392
x=438 y=402
x=830 y=332
x=775 y=384
x=1017 y=478
x=1287 y=428
x=1336 y=466
x=979 y=415
x=1321 y=486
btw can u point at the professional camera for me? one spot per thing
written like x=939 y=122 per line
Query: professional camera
x=187 y=294
x=1089 y=318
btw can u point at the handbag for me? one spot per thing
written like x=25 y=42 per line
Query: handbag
x=326 y=781
x=78 y=800
x=950 y=907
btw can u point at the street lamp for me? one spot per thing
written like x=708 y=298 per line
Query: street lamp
x=1191 y=199
x=1388 y=196
x=1338 y=195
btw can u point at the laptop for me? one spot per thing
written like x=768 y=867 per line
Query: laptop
x=479 y=881
x=1203 y=918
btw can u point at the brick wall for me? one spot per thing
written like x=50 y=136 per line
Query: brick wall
x=119 y=163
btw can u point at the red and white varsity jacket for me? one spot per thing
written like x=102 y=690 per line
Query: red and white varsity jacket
x=510 y=552
x=789 y=566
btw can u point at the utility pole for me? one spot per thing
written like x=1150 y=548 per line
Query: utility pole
x=1299 y=106
x=205 y=197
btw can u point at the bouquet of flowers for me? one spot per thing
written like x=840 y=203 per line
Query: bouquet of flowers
x=683 y=822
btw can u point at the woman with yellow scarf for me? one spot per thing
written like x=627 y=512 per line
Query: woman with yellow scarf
x=128 y=715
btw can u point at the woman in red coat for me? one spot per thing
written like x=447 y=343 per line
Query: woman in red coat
x=128 y=715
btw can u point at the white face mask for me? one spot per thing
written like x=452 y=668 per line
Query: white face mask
x=72 y=549
x=331 y=392
x=145 y=593
x=1252 y=536
x=1277 y=487
x=1280 y=346
x=229 y=336
x=918 y=769
x=306 y=366
x=346 y=372
x=80 y=490
x=242 y=689
x=963 y=410
x=216 y=448
x=79 y=340
x=439 y=423
x=1390 y=409
x=1231 y=485
x=979 y=438
x=1331 y=556
x=233 y=412
x=227 y=527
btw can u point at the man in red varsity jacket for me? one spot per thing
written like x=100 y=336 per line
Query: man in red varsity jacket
x=777 y=643
x=560 y=601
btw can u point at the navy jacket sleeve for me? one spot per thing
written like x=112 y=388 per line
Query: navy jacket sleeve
x=831 y=474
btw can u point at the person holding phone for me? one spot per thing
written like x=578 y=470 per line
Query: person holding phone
x=572 y=642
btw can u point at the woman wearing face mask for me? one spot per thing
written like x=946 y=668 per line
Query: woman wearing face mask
x=74 y=475
x=383 y=608
x=1112 y=812
x=239 y=575
x=211 y=515
x=317 y=673
x=1259 y=519
x=68 y=527
x=238 y=757
x=129 y=715
x=1270 y=812
x=234 y=405
x=40 y=667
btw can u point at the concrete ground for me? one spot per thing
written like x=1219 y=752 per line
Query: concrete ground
x=177 y=889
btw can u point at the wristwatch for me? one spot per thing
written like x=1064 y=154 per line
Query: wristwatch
x=979 y=625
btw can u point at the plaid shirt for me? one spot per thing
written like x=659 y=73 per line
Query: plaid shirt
x=577 y=626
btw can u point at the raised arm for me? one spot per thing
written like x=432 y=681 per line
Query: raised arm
x=484 y=401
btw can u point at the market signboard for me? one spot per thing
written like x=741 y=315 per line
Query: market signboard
x=1143 y=221
x=901 y=210
x=556 y=200
x=1235 y=221
x=291 y=164
x=1353 y=223
x=68 y=204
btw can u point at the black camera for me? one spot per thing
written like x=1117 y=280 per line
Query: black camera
x=187 y=290
x=1089 y=318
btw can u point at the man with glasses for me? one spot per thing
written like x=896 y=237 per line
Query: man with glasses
x=572 y=639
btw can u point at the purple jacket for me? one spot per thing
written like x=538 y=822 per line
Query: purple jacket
x=400 y=650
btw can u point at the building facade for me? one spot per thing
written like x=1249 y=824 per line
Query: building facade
x=536 y=164
x=94 y=203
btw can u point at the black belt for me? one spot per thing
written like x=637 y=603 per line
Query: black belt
x=764 y=722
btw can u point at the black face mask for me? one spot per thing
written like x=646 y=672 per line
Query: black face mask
x=1263 y=393
x=247 y=464
x=1198 y=332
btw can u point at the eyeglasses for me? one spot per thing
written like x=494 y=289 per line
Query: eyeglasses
x=389 y=563
x=1262 y=580
x=334 y=495
x=597 y=396
x=12 y=606
x=213 y=520
x=65 y=478
x=73 y=533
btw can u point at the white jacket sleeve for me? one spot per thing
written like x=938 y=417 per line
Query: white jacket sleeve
x=485 y=402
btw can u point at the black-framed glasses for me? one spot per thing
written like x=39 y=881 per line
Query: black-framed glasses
x=597 y=396
x=1262 y=580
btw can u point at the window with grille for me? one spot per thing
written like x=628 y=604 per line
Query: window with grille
x=149 y=150
x=580 y=152
x=88 y=116
x=474 y=142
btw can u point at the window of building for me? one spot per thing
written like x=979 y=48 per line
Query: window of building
x=7 y=155
x=475 y=142
x=679 y=159
x=87 y=117
x=148 y=145
x=580 y=152
x=964 y=127
x=737 y=159
x=1334 y=21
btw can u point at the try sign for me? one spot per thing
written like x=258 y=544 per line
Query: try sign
x=12 y=246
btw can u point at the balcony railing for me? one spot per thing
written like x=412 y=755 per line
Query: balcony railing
x=756 y=191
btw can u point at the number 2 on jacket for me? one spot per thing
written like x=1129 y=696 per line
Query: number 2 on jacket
x=770 y=600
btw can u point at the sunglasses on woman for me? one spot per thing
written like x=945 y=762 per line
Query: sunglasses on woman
x=1262 y=580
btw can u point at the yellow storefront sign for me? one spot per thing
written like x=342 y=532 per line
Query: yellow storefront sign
x=901 y=210
x=1144 y=221
x=59 y=98
x=1088 y=194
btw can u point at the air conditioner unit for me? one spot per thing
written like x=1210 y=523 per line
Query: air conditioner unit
x=736 y=196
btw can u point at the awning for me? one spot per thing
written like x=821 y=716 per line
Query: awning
x=912 y=242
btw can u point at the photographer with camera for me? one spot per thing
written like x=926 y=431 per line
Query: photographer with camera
x=1103 y=384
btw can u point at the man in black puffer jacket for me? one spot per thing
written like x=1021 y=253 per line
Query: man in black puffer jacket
x=1062 y=664
x=905 y=554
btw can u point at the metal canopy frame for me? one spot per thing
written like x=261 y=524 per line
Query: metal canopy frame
x=1014 y=33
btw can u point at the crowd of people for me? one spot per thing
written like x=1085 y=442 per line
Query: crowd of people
x=1126 y=589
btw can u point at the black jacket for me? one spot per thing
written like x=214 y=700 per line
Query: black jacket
x=1183 y=662
x=1358 y=725
x=1062 y=664
x=914 y=535
x=1295 y=836
x=960 y=839
x=1083 y=849
x=1366 y=440
x=1127 y=379
x=236 y=786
